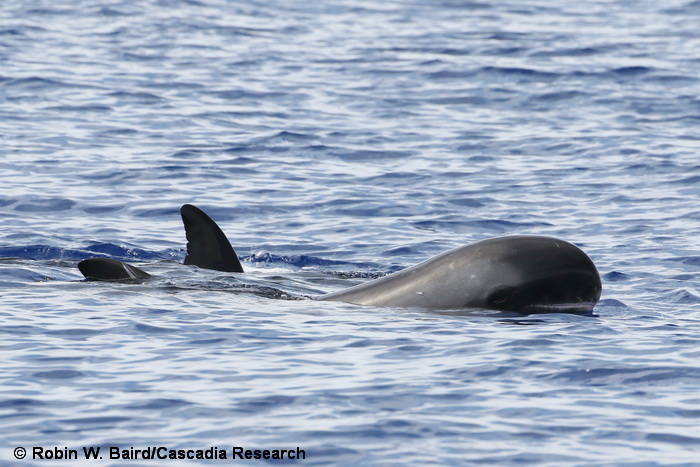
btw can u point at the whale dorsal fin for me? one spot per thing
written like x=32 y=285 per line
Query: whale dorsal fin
x=207 y=246
x=105 y=269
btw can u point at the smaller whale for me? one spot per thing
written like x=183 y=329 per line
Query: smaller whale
x=105 y=269
x=523 y=273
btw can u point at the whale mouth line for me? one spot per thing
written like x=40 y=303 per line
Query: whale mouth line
x=566 y=307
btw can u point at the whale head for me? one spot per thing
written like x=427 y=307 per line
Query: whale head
x=544 y=274
x=527 y=274
x=533 y=274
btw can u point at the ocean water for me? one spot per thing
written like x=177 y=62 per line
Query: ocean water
x=334 y=142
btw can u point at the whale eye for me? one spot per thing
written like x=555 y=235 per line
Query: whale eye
x=500 y=296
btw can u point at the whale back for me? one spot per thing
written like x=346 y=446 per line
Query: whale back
x=519 y=273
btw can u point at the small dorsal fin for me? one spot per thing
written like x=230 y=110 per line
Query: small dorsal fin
x=105 y=269
x=207 y=246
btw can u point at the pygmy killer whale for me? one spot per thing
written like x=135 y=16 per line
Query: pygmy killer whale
x=523 y=273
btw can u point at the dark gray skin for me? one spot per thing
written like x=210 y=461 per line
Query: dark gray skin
x=527 y=274
x=105 y=269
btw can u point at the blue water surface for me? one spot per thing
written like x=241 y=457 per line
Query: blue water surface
x=334 y=142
